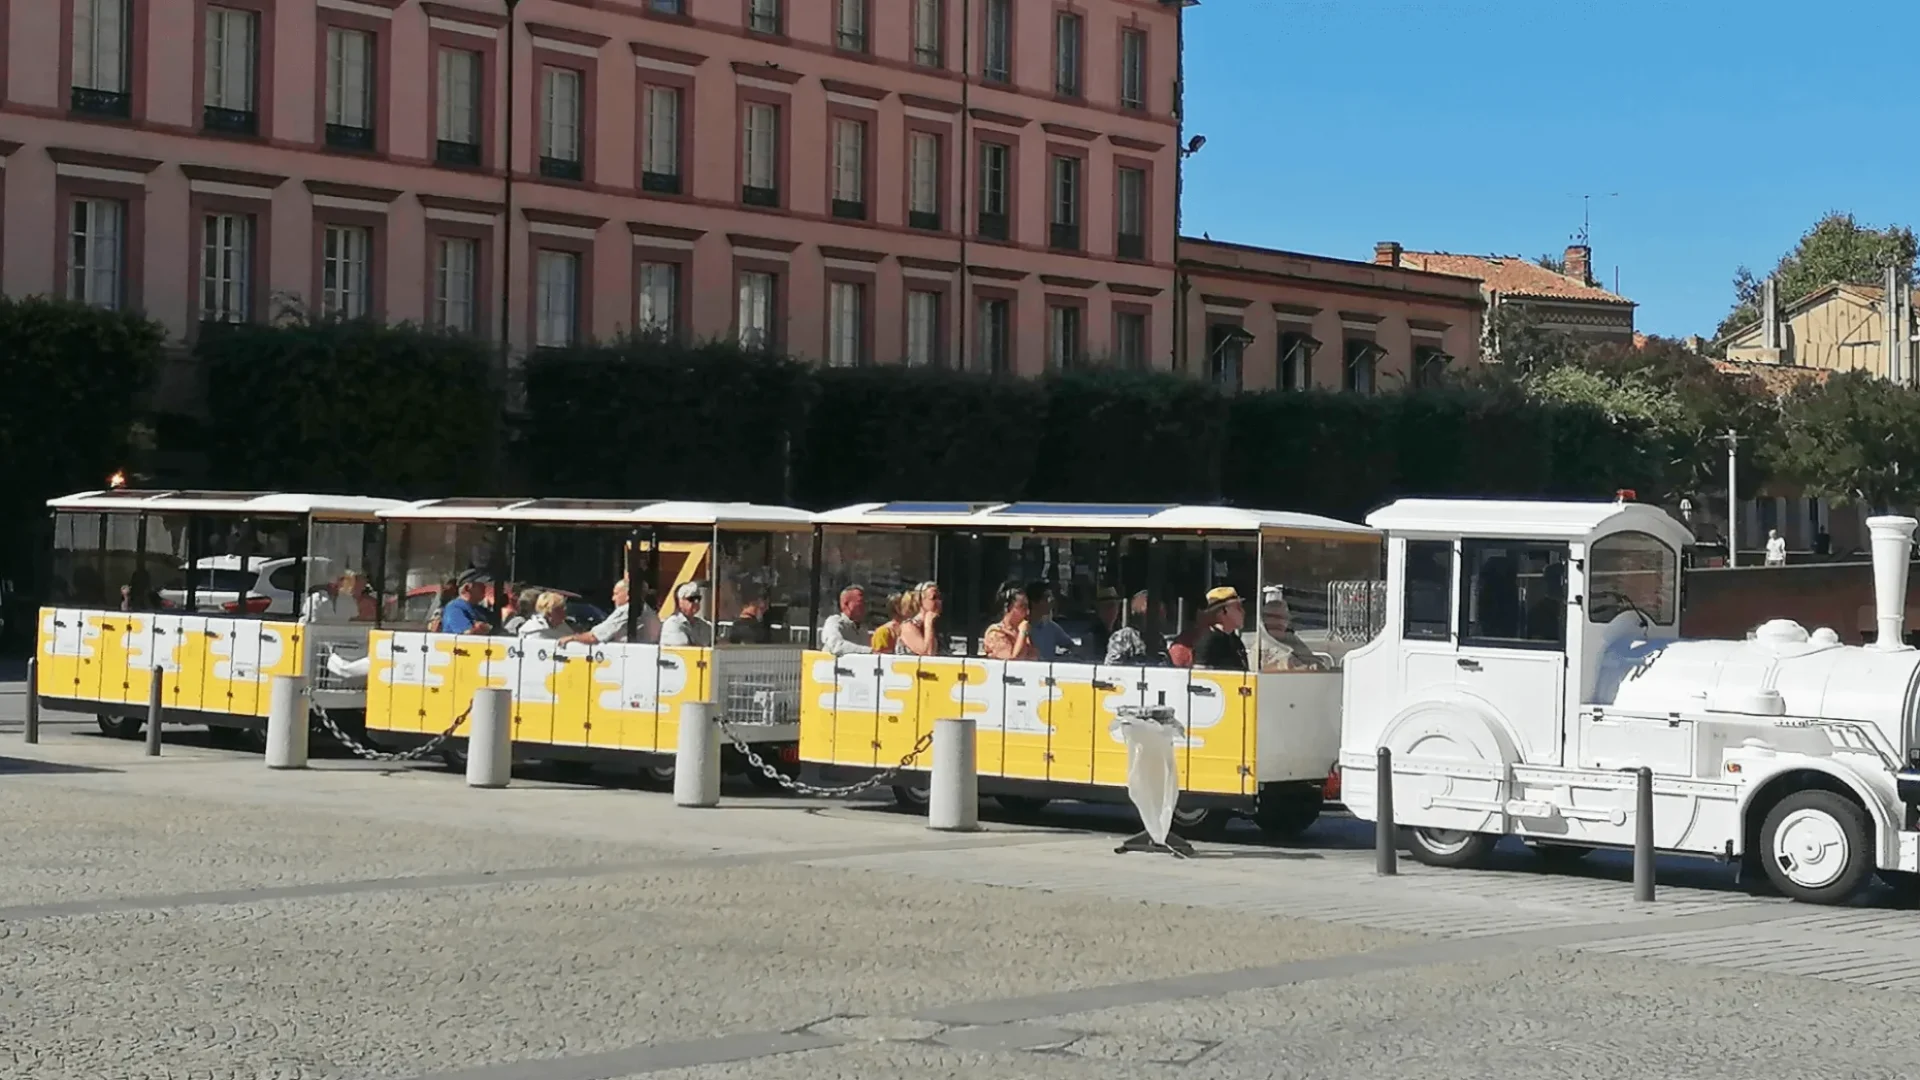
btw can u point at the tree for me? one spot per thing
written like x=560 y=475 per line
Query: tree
x=1852 y=439
x=1837 y=248
x=1550 y=261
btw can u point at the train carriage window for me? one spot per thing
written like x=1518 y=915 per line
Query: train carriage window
x=1429 y=590
x=1513 y=594
x=1632 y=571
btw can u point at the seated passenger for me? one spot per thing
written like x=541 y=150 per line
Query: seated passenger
x=1280 y=647
x=1007 y=639
x=1221 y=647
x=614 y=629
x=900 y=608
x=1106 y=610
x=520 y=610
x=920 y=635
x=346 y=600
x=467 y=613
x=1049 y=641
x=842 y=634
x=549 y=616
x=685 y=628
x=750 y=627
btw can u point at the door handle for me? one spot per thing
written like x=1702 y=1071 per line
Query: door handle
x=1468 y=664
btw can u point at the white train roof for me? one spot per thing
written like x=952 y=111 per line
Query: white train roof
x=289 y=504
x=605 y=512
x=1526 y=518
x=1102 y=517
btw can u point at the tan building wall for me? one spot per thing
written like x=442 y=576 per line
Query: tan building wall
x=1837 y=328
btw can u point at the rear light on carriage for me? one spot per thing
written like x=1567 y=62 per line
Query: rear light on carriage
x=789 y=755
x=1625 y=495
x=1331 y=792
x=254 y=605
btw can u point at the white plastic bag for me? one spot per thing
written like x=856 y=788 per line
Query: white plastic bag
x=349 y=669
x=1153 y=779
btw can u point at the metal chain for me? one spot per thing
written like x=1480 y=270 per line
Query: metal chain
x=885 y=776
x=370 y=754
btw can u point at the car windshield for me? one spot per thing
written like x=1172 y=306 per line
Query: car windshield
x=223 y=580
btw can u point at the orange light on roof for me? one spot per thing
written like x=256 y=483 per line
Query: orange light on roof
x=117 y=480
x=1625 y=495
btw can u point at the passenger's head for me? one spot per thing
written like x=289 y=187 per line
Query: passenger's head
x=853 y=602
x=902 y=606
x=753 y=603
x=1106 y=604
x=621 y=593
x=1274 y=611
x=688 y=598
x=1039 y=600
x=527 y=601
x=551 y=606
x=1013 y=602
x=929 y=597
x=472 y=586
x=1225 y=609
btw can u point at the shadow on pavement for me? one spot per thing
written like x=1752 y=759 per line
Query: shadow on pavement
x=28 y=767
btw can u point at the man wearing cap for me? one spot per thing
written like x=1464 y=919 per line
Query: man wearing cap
x=1281 y=648
x=1106 y=610
x=467 y=612
x=685 y=627
x=1220 y=647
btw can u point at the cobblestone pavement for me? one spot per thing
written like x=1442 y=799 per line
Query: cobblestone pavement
x=198 y=916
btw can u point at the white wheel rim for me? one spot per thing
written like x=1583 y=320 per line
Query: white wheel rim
x=1810 y=847
x=1444 y=841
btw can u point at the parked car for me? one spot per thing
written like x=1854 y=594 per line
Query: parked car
x=250 y=585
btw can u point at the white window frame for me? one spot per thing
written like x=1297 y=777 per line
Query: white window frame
x=846 y=323
x=346 y=258
x=1069 y=54
x=849 y=160
x=755 y=311
x=923 y=328
x=456 y=284
x=660 y=154
x=233 y=59
x=556 y=299
x=226 y=266
x=103 y=45
x=996 y=52
x=459 y=105
x=1065 y=337
x=763 y=16
x=929 y=33
x=97 y=252
x=760 y=146
x=1066 y=186
x=350 y=77
x=562 y=113
x=659 y=298
x=1133 y=68
x=850 y=25
x=996 y=167
x=923 y=172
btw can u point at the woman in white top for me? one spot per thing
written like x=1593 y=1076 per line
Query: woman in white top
x=549 y=618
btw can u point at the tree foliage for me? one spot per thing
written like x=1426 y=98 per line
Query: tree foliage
x=1837 y=248
x=1854 y=439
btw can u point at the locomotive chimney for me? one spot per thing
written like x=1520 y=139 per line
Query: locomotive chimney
x=1892 y=546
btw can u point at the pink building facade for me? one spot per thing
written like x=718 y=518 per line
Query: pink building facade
x=980 y=183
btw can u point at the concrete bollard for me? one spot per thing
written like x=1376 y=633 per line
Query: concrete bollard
x=490 y=739
x=32 y=731
x=953 y=804
x=1643 y=835
x=287 y=723
x=696 y=757
x=155 y=711
x=1386 y=850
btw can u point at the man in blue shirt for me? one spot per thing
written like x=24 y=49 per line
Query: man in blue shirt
x=467 y=613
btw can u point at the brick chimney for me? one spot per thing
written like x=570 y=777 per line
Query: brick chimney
x=1580 y=263
x=1387 y=253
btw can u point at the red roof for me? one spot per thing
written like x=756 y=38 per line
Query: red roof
x=1777 y=378
x=1510 y=275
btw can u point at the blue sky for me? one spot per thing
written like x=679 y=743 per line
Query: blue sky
x=1726 y=126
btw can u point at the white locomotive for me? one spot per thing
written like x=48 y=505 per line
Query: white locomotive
x=1531 y=661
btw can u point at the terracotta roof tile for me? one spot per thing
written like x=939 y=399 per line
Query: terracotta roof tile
x=1777 y=378
x=1509 y=275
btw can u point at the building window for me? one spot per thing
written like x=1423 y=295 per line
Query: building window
x=1130 y=192
x=659 y=298
x=1130 y=340
x=850 y=25
x=103 y=58
x=923 y=180
x=763 y=16
x=996 y=178
x=1226 y=355
x=455 y=284
x=993 y=334
x=667 y=7
x=849 y=169
x=923 y=328
x=846 y=324
x=233 y=72
x=346 y=271
x=1066 y=54
x=996 y=53
x=660 y=154
x=1296 y=360
x=458 y=130
x=560 y=124
x=1429 y=366
x=1065 y=233
x=349 y=89
x=756 y=309
x=1362 y=365
x=226 y=268
x=96 y=260
x=929 y=24
x=759 y=147
x=1133 y=69
x=557 y=300
x=1063 y=337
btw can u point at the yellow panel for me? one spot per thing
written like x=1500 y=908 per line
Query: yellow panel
x=93 y=656
x=684 y=680
x=61 y=651
x=186 y=675
x=1073 y=713
x=1220 y=734
x=909 y=695
x=856 y=700
x=110 y=656
x=626 y=707
x=380 y=705
x=536 y=694
x=439 y=702
x=572 y=697
x=816 y=708
x=1024 y=695
x=138 y=681
x=234 y=675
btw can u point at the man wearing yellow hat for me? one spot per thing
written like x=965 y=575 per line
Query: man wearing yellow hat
x=1220 y=647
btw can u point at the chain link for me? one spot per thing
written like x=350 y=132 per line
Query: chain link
x=798 y=787
x=371 y=754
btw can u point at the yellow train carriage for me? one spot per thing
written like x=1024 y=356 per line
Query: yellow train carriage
x=1260 y=741
x=596 y=686
x=216 y=593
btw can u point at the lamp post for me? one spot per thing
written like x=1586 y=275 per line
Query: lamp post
x=1183 y=149
x=506 y=221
